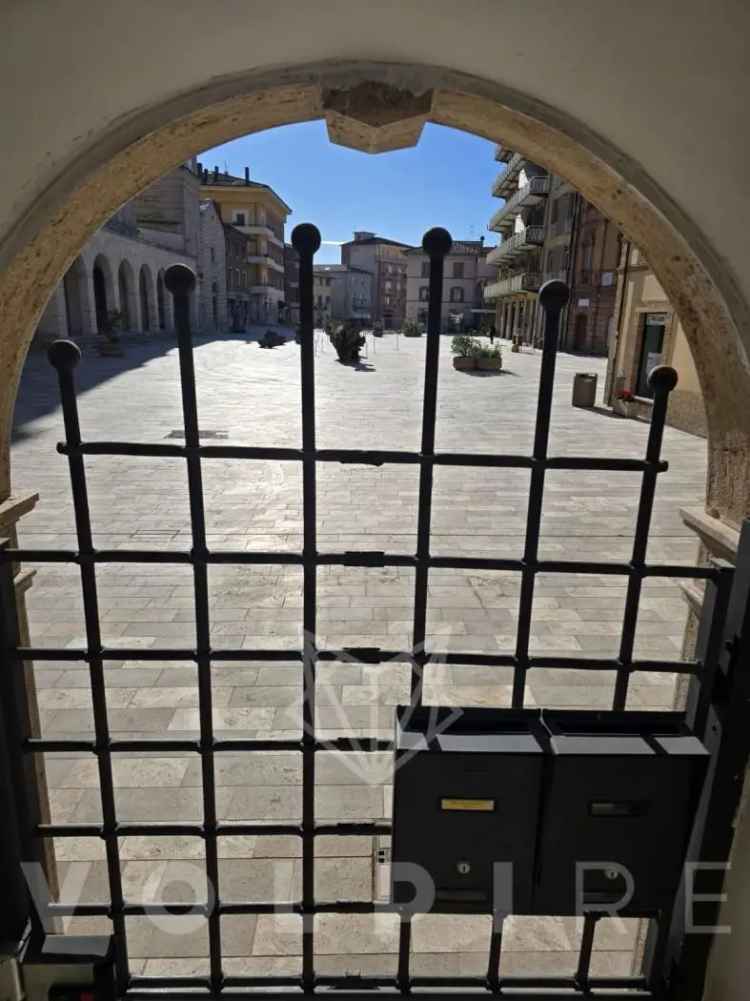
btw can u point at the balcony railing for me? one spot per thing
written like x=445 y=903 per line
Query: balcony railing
x=518 y=243
x=527 y=281
x=266 y=260
x=503 y=184
x=529 y=194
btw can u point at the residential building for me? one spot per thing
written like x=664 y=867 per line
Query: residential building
x=291 y=284
x=590 y=318
x=465 y=274
x=256 y=211
x=240 y=278
x=342 y=293
x=648 y=333
x=548 y=230
x=212 y=271
x=385 y=260
x=518 y=257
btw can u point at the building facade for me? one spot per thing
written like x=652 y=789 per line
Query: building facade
x=240 y=277
x=590 y=318
x=212 y=271
x=342 y=293
x=256 y=211
x=385 y=260
x=116 y=284
x=549 y=231
x=649 y=333
x=465 y=275
x=291 y=284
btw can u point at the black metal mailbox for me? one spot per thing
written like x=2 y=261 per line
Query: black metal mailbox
x=466 y=796
x=619 y=800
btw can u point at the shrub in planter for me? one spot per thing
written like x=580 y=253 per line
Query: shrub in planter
x=489 y=359
x=411 y=329
x=347 y=340
x=465 y=350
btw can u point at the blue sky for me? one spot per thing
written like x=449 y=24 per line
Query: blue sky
x=444 y=181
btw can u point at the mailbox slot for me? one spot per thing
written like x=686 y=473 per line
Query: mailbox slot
x=619 y=801
x=466 y=796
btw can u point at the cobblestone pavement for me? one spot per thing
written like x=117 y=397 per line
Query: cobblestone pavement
x=251 y=396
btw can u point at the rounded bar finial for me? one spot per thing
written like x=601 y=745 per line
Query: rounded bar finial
x=663 y=378
x=437 y=242
x=554 y=294
x=179 y=279
x=63 y=355
x=306 y=238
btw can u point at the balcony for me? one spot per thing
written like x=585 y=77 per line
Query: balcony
x=502 y=153
x=519 y=243
x=253 y=229
x=530 y=194
x=504 y=183
x=527 y=281
x=266 y=260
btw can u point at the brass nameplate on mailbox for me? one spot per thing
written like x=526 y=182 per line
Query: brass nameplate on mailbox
x=473 y=805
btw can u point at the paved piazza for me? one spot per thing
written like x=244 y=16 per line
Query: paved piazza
x=251 y=396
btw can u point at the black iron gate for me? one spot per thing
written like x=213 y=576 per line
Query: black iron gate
x=675 y=963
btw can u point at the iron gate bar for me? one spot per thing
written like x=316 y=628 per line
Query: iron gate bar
x=662 y=380
x=365 y=457
x=64 y=357
x=552 y=296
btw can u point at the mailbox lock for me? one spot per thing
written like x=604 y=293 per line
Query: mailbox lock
x=611 y=873
x=463 y=868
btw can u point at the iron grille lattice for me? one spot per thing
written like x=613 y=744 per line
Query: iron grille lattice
x=180 y=281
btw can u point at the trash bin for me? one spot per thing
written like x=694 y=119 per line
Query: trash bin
x=584 y=389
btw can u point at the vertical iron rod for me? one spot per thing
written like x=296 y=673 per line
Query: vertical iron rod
x=180 y=281
x=436 y=244
x=662 y=379
x=584 y=956
x=64 y=356
x=496 y=947
x=403 y=979
x=306 y=241
x=553 y=296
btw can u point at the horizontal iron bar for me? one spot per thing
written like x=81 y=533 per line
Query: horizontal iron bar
x=368 y=655
x=357 y=558
x=131 y=908
x=224 y=829
x=370 y=457
x=43 y=745
x=173 y=989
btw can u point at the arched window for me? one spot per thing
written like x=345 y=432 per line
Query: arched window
x=457 y=294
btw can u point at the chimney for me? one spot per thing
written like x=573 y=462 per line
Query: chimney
x=205 y=175
x=247 y=175
x=216 y=175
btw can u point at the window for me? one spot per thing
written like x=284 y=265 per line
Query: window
x=457 y=293
x=424 y=293
x=458 y=269
x=213 y=255
x=652 y=344
x=425 y=269
x=239 y=218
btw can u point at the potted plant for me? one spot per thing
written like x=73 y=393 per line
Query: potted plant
x=411 y=329
x=489 y=359
x=347 y=340
x=111 y=326
x=464 y=350
x=623 y=405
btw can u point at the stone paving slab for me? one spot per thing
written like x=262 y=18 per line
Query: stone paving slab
x=253 y=397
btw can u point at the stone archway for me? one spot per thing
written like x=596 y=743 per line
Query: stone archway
x=378 y=106
x=146 y=300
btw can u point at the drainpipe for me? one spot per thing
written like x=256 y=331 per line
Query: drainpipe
x=572 y=258
x=622 y=280
x=595 y=314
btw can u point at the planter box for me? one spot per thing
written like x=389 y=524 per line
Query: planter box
x=489 y=364
x=463 y=364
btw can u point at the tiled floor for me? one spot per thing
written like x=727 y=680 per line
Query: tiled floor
x=251 y=396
